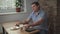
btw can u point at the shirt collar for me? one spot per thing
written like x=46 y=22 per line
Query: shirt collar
x=37 y=12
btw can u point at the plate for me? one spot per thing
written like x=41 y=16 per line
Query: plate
x=14 y=28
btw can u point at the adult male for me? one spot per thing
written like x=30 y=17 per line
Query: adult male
x=38 y=18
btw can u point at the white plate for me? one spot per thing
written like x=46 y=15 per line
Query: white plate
x=14 y=28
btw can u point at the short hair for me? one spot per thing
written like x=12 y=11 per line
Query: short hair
x=36 y=3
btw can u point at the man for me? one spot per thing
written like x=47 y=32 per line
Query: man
x=38 y=18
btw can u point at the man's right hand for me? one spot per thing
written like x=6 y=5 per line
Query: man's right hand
x=17 y=23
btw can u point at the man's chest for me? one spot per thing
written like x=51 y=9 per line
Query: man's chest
x=35 y=18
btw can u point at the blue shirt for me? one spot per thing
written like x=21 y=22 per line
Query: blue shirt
x=35 y=18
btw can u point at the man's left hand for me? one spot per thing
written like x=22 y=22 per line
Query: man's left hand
x=26 y=26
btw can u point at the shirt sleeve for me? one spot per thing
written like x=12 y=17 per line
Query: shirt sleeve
x=42 y=16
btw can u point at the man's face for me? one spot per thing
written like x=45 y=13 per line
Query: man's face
x=35 y=8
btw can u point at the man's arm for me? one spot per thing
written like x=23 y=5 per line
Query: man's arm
x=23 y=22
x=26 y=21
x=38 y=22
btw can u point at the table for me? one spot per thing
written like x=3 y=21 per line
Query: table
x=7 y=26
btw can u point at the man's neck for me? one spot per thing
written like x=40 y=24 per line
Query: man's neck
x=36 y=12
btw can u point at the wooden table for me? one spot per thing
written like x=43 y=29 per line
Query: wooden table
x=7 y=26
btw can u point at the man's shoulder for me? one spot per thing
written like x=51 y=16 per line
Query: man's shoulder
x=42 y=11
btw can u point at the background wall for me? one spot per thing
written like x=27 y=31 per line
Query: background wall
x=50 y=6
x=18 y=16
x=58 y=18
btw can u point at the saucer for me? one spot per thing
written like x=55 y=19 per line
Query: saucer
x=14 y=28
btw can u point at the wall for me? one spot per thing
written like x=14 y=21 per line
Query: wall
x=50 y=6
x=58 y=18
x=18 y=16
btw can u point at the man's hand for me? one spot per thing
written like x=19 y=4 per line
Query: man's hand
x=17 y=23
x=26 y=26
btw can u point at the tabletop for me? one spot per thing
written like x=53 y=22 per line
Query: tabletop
x=8 y=25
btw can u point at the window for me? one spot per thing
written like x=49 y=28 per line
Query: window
x=8 y=6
